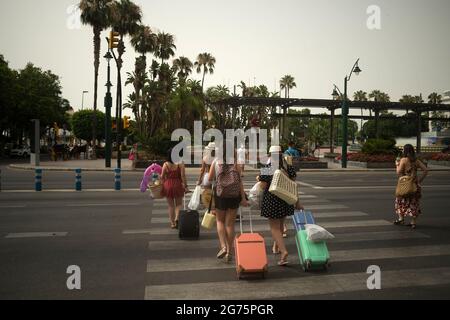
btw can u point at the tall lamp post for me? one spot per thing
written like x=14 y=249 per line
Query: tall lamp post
x=356 y=70
x=108 y=106
x=82 y=99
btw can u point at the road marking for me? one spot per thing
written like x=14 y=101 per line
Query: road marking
x=13 y=206
x=310 y=185
x=35 y=235
x=294 y=287
x=379 y=187
x=103 y=205
x=69 y=191
x=176 y=244
x=139 y=231
x=325 y=207
x=212 y=263
x=262 y=227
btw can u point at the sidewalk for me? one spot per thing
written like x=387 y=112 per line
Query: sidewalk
x=99 y=165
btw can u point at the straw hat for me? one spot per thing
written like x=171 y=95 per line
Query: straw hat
x=275 y=149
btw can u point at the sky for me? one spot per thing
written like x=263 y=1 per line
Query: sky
x=406 y=50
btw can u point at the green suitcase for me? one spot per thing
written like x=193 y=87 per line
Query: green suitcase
x=312 y=255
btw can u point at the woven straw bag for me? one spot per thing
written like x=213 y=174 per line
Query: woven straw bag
x=156 y=191
x=284 y=188
x=406 y=187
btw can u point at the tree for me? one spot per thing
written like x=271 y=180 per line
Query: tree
x=32 y=94
x=81 y=123
x=8 y=95
x=97 y=14
x=205 y=63
x=287 y=83
x=186 y=105
x=143 y=41
x=165 y=48
x=183 y=66
x=435 y=98
x=361 y=96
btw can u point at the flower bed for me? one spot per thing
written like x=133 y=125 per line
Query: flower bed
x=309 y=159
x=362 y=157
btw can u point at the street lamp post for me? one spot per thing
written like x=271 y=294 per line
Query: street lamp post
x=82 y=99
x=108 y=107
x=357 y=71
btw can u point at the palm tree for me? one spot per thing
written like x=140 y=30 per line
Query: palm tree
x=207 y=62
x=144 y=41
x=126 y=17
x=435 y=98
x=184 y=68
x=165 y=47
x=361 y=96
x=96 y=13
x=287 y=83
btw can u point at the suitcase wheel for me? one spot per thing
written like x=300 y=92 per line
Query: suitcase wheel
x=307 y=266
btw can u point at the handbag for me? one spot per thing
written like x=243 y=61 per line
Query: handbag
x=284 y=188
x=156 y=191
x=209 y=219
x=206 y=197
x=406 y=187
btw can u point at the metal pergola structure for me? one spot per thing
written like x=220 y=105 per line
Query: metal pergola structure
x=333 y=105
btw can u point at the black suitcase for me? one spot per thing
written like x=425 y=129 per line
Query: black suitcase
x=189 y=224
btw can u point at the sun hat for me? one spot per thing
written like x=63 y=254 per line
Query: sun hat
x=274 y=149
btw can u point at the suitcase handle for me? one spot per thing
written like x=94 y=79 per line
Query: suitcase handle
x=251 y=221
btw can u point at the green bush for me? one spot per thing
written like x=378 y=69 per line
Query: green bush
x=380 y=146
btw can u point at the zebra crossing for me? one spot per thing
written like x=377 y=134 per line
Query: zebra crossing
x=179 y=270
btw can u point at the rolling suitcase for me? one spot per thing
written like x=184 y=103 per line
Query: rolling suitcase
x=312 y=255
x=188 y=224
x=250 y=252
x=301 y=218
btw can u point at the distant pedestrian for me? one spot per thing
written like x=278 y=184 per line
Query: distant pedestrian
x=274 y=208
x=173 y=178
x=292 y=151
x=229 y=194
x=241 y=158
x=409 y=206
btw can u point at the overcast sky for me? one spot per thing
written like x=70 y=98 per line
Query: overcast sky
x=257 y=41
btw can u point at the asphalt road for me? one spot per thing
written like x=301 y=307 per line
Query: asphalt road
x=122 y=243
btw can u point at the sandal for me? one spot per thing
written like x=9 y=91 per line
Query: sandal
x=399 y=222
x=275 y=250
x=284 y=260
x=173 y=226
x=228 y=257
x=222 y=253
x=413 y=226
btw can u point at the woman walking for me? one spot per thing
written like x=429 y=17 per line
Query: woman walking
x=173 y=178
x=410 y=206
x=274 y=208
x=229 y=194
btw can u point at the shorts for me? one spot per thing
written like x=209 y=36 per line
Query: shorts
x=223 y=204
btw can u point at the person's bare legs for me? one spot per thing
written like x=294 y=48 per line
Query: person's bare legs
x=230 y=220
x=178 y=205
x=276 y=227
x=220 y=219
x=171 y=204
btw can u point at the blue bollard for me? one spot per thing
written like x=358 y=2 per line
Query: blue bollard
x=78 y=180
x=117 y=179
x=38 y=180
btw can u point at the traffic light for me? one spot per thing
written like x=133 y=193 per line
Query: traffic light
x=113 y=40
x=126 y=122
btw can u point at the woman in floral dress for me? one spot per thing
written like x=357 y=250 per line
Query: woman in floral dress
x=409 y=206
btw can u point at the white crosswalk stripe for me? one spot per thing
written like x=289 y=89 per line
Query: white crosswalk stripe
x=296 y=287
x=168 y=255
